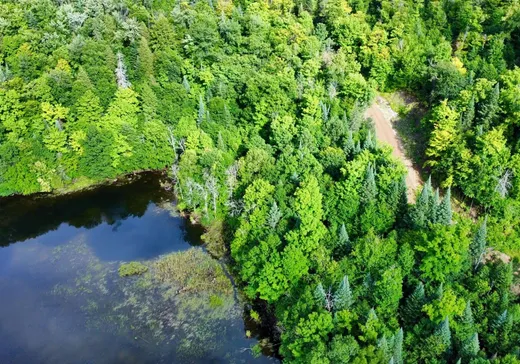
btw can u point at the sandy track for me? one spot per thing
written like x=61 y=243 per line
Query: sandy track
x=382 y=115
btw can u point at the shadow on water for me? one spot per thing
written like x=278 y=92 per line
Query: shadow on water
x=63 y=300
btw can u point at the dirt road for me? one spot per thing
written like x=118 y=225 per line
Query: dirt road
x=382 y=115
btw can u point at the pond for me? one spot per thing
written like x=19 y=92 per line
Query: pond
x=63 y=301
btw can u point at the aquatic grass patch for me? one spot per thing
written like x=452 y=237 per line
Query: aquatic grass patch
x=132 y=269
x=192 y=270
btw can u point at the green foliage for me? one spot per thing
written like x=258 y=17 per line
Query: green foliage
x=132 y=269
x=257 y=110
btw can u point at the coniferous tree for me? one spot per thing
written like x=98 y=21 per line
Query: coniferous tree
x=478 y=245
x=434 y=207
x=369 y=143
x=467 y=324
x=357 y=148
x=202 y=110
x=369 y=191
x=444 y=214
x=383 y=347
x=349 y=145
x=398 y=347
x=443 y=333
x=469 y=114
x=419 y=213
x=471 y=346
x=320 y=295
x=413 y=305
x=489 y=107
x=274 y=216
x=343 y=297
x=343 y=238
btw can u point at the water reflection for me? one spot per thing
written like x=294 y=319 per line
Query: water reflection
x=62 y=300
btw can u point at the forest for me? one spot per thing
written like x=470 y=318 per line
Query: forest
x=256 y=110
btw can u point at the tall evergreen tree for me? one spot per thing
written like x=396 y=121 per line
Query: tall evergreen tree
x=419 y=213
x=370 y=142
x=489 y=107
x=444 y=213
x=369 y=191
x=398 y=347
x=467 y=324
x=413 y=306
x=343 y=296
x=434 y=207
x=443 y=333
x=274 y=216
x=349 y=145
x=343 y=239
x=357 y=148
x=469 y=114
x=478 y=245
x=471 y=346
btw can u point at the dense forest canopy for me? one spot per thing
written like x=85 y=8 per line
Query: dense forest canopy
x=256 y=109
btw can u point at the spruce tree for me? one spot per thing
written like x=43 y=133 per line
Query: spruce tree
x=469 y=114
x=413 y=306
x=343 y=238
x=369 y=192
x=419 y=213
x=382 y=347
x=471 y=346
x=434 y=207
x=489 y=107
x=357 y=148
x=477 y=247
x=402 y=203
x=349 y=145
x=444 y=214
x=443 y=333
x=202 y=111
x=274 y=216
x=343 y=297
x=320 y=295
x=370 y=142
x=398 y=347
x=467 y=324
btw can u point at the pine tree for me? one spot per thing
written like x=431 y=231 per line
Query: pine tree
x=349 y=145
x=369 y=143
x=382 y=347
x=274 y=216
x=369 y=191
x=357 y=149
x=469 y=114
x=202 y=111
x=489 y=107
x=444 y=214
x=413 y=306
x=186 y=84
x=398 y=347
x=467 y=324
x=402 y=203
x=443 y=333
x=343 y=238
x=343 y=297
x=419 y=213
x=320 y=295
x=471 y=346
x=434 y=207
x=477 y=247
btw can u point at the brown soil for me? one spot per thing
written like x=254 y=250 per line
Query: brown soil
x=383 y=115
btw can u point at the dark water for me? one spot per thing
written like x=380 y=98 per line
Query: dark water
x=62 y=300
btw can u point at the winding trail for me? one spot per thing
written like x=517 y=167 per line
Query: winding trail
x=383 y=115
